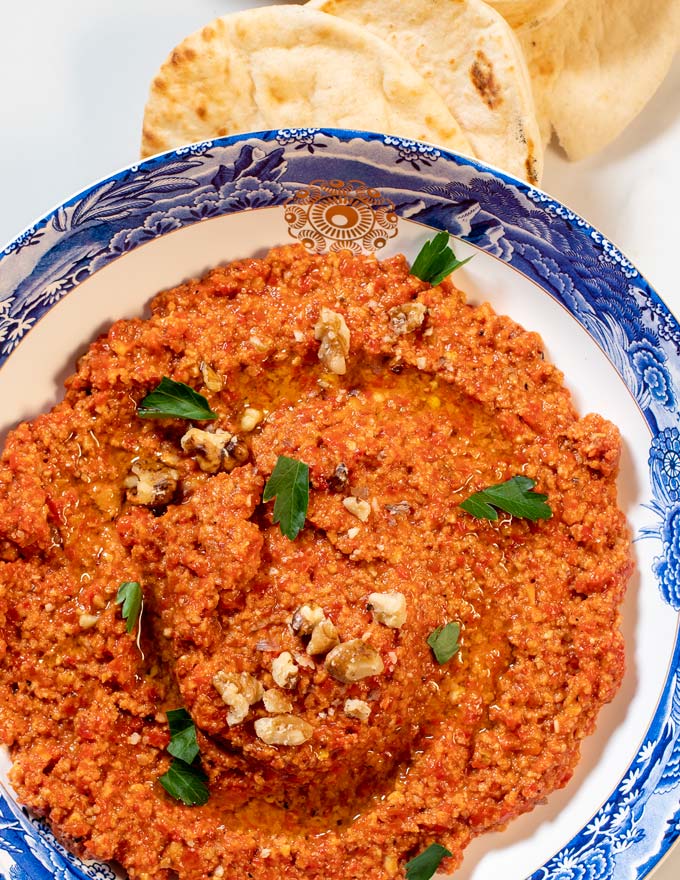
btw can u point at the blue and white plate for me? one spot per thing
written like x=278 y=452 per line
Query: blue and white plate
x=105 y=252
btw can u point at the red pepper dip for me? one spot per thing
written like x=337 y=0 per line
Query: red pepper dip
x=334 y=743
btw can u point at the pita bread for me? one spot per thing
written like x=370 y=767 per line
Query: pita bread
x=595 y=65
x=290 y=67
x=470 y=55
x=527 y=13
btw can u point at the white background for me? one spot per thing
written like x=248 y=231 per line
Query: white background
x=74 y=76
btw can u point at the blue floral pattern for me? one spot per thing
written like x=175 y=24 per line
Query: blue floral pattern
x=649 y=366
x=413 y=152
x=664 y=464
x=667 y=566
x=29 y=850
x=513 y=222
x=302 y=138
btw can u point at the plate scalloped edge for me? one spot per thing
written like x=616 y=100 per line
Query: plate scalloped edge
x=518 y=224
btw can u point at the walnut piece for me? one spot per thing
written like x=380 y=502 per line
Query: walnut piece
x=283 y=730
x=151 y=485
x=276 y=702
x=235 y=452
x=407 y=317
x=251 y=418
x=338 y=480
x=284 y=670
x=333 y=333
x=239 y=690
x=357 y=709
x=304 y=661
x=388 y=608
x=306 y=618
x=211 y=378
x=360 y=509
x=324 y=637
x=208 y=448
x=352 y=661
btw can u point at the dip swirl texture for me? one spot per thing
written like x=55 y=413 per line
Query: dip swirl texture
x=334 y=743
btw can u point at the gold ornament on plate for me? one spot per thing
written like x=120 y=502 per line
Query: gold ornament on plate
x=341 y=215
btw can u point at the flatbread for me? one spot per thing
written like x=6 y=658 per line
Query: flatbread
x=528 y=13
x=595 y=65
x=290 y=67
x=470 y=55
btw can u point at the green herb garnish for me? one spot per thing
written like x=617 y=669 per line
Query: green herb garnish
x=436 y=260
x=185 y=780
x=514 y=496
x=186 y=783
x=289 y=484
x=444 y=641
x=129 y=595
x=425 y=865
x=183 y=744
x=172 y=399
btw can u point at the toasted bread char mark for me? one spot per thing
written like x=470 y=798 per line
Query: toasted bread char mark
x=484 y=80
x=291 y=66
x=471 y=56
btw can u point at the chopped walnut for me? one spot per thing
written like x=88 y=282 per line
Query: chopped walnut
x=306 y=618
x=207 y=447
x=333 y=333
x=283 y=730
x=151 y=485
x=407 y=317
x=338 y=480
x=235 y=452
x=304 y=660
x=276 y=702
x=324 y=637
x=352 y=661
x=284 y=670
x=211 y=378
x=239 y=690
x=388 y=608
x=87 y=621
x=357 y=709
x=251 y=418
x=360 y=509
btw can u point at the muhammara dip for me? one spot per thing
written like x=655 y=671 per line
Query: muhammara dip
x=334 y=743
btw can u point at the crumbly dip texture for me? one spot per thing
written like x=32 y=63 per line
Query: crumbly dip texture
x=334 y=743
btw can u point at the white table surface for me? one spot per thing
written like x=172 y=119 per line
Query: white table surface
x=74 y=76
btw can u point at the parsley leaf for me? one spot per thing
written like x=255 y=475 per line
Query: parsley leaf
x=444 y=641
x=183 y=744
x=514 y=496
x=289 y=484
x=425 y=865
x=436 y=260
x=129 y=595
x=174 y=399
x=186 y=783
x=185 y=779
